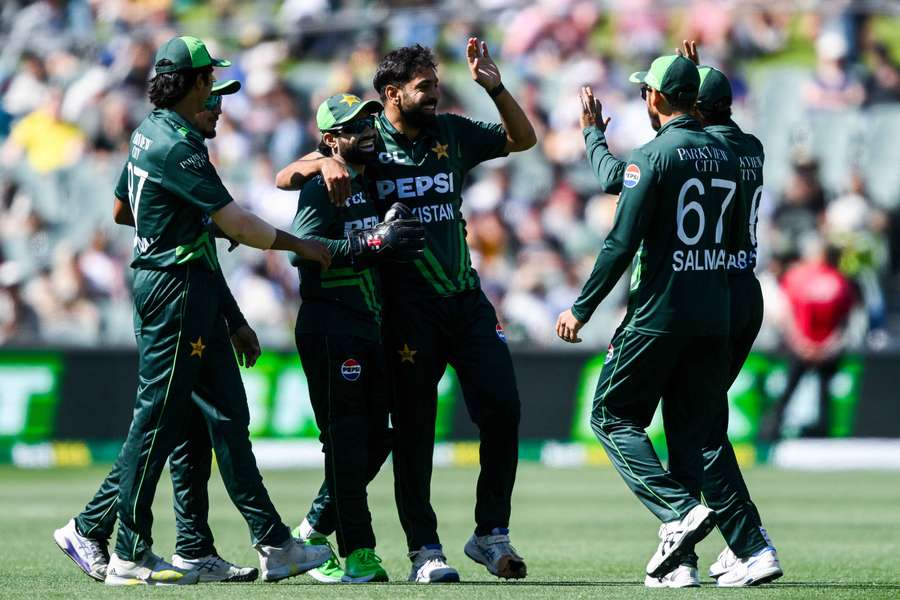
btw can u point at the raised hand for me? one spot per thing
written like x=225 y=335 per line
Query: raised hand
x=482 y=67
x=337 y=179
x=591 y=110
x=689 y=50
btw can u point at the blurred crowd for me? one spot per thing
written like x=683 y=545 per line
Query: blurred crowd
x=821 y=88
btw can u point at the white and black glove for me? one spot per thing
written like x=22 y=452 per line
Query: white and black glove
x=397 y=239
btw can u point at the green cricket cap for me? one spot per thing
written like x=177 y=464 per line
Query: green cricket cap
x=673 y=75
x=715 y=89
x=185 y=52
x=224 y=88
x=341 y=108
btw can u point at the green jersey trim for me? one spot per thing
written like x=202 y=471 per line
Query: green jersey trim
x=347 y=277
x=439 y=271
x=203 y=248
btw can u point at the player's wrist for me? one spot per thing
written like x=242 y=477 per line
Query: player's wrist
x=495 y=90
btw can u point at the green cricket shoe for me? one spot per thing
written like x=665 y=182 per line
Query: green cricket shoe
x=329 y=571
x=364 y=566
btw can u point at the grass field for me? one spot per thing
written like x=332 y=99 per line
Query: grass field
x=583 y=534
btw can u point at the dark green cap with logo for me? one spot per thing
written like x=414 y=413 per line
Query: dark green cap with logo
x=184 y=53
x=673 y=75
x=715 y=89
x=342 y=108
x=224 y=88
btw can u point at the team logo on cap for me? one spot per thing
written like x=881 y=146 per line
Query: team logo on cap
x=500 y=333
x=351 y=369
x=632 y=176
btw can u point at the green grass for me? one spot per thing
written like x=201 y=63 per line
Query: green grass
x=582 y=532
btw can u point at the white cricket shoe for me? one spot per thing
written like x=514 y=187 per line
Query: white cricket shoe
x=496 y=553
x=429 y=565
x=214 y=568
x=681 y=576
x=149 y=569
x=757 y=569
x=291 y=558
x=724 y=561
x=91 y=556
x=675 y=535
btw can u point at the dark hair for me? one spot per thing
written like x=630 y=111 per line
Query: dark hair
x=401 y=65
x=683 y=103
x=167 y=89
x=716 y=115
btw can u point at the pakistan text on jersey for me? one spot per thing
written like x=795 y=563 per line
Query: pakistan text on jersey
x=706 y=158
x=414 y=187
x=435 y=212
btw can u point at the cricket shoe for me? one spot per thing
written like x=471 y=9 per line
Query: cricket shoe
x=91 y=556
x=429 y=565
x=757 y=569
x=364 y=566
x=214 y=568
x=289 y=559
x=675 y=535
x=149 y=569
x=496 y=553
x=329 y=571
x=681 y=576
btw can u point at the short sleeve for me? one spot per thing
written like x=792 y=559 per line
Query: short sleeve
x=478 y=141
x=189 y=175
x=122 y=186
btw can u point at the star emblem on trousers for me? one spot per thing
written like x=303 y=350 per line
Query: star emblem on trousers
x=198 y=347
x=441 y=150
x=407 y=355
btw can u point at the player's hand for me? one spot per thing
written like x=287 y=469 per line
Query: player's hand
x=398 y=210
x=314 y=251
x=401 y=240
x=592 y=110
x=689 y=50
x=337 y=179
x=482 y=67
x=567 y=327
x=246 y=346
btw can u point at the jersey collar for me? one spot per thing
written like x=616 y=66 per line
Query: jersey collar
x=180 y=124
x=680 y=122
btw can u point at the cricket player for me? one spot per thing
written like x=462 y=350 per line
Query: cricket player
x=750 y=558
x=85 y=538
x=172 y=188
x=435 y=311
x=675 y=217
x=338 y=331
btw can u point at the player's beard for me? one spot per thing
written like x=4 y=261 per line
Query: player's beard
x=356 y=155
x=416 y=115
x=654 y=118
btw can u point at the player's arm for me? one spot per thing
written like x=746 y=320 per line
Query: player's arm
x=519 y=131
x=633 y=213
x=607 y=168
x=122 y=212
x=333 y=170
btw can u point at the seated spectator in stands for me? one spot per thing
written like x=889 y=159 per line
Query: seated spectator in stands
x=799 y=208
x=883 y=83
x=834 y=85
x=47 y=142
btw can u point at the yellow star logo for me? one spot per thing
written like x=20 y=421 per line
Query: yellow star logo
x=441 y=150
x=407 y=355
x=350 y=99
x=198 y=347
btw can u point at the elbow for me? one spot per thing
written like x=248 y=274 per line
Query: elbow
x=283 y=179
x=526 y=142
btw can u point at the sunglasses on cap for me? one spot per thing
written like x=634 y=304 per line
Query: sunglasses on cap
x=213 y=102
x=355 y=126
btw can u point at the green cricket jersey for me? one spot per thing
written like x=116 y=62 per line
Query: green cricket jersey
x=675 y=217
x=172 y=189
x=749 y=151
x=339 y=300
x=610 y=171
x=427 y=175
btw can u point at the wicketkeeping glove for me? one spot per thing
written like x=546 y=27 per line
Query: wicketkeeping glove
x=397 y=211
x=401 y=240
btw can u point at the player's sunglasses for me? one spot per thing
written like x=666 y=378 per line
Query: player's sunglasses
x=644 y=88
x=356 y=125
x=213 y=102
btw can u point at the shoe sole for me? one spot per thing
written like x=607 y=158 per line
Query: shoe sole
x=253 y=575
x=674 y=587
x=767 y=577
x=690 y=538
x=291 y=571
x=508 y=567
x=321 y=577
x=115 y=580
x=450 y=577
x=62 y=547
x=377 y=578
